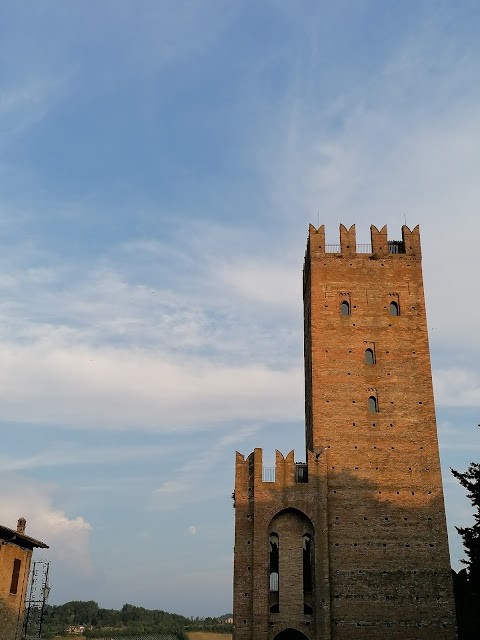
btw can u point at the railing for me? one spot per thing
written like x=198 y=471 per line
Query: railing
x=364 y=248
x=337 y=248
x=394 y=246
x=301 y=473
x=268 y=474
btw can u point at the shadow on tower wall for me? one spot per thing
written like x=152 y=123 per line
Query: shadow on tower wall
x=467 y=604
x=382 y=559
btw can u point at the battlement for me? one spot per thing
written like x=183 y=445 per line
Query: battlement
x=285 y=471
x=380 y=245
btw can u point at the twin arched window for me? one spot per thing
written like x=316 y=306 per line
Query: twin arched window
x=345 y=308
x=274 y=572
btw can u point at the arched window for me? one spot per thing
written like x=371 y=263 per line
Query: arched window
x=372 y=404
x=394 y=310
x=369 y=356
x=274 y=564
x=344 y=308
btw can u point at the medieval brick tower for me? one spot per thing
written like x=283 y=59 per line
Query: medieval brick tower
x=352 y=544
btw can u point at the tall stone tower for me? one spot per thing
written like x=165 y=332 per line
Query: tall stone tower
x=352 y=544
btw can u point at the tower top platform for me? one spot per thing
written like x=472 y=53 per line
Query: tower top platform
x=380 y=245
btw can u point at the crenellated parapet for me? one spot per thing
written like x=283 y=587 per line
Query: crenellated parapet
x=348 y=240
x=411 y=240
x=380 y=246
x=379 y=240
x=252 y=476
x=285 y=473
x=316 y=239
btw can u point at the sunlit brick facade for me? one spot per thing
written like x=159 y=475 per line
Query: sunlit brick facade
x=352 y=544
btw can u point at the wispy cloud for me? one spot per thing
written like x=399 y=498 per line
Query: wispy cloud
x=86 y=457
x=197 y=471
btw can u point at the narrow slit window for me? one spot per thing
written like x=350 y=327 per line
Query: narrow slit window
x=15 y=576
x=369 y=356
x=372 y=404
x=274 y=570
x=307 y=563
x=274 y=564
x=344 y=308
x=394 y=309
x=307 y=574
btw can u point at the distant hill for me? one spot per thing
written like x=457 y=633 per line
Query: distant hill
x=136 y=623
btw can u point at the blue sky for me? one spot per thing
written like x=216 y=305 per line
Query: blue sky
x=159 y=164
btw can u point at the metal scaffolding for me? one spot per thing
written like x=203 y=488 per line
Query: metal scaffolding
x=36 y=601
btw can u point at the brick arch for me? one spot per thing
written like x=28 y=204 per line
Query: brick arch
x=289 y=594
x=290 y=634
x=295 y=512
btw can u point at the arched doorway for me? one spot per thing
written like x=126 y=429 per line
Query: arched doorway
x=291 y=563
x=290 y=634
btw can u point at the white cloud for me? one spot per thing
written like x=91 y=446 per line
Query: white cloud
x=119 y=388
x=111 y=351
x=68 y=538
x=457 y=387
x=266 y=283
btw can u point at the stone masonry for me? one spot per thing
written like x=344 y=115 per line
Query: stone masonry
x=352 y=543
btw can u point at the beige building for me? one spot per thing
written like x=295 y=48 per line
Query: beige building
x=351 y=544
x=16 y=550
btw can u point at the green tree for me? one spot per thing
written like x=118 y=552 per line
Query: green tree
x=470 y=480
x=467 y=582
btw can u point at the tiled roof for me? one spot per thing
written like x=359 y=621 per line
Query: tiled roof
x=13 y=536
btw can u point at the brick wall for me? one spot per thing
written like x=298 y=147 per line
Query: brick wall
x=374 y=496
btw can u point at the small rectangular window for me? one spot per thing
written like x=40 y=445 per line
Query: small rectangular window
x=15 y=576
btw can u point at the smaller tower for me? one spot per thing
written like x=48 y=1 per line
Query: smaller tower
x=281 y=554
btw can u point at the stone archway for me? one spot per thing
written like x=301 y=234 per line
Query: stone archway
x=291 y=567
x=290 y=634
